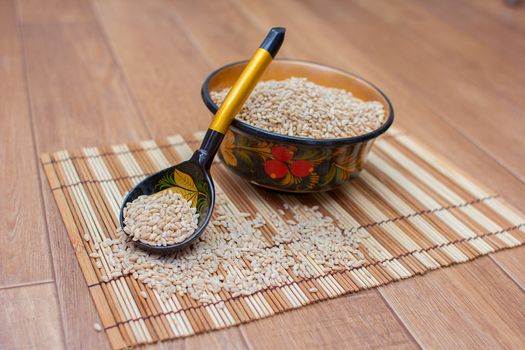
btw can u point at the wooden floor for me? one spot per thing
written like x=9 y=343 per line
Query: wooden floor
x=76 y=73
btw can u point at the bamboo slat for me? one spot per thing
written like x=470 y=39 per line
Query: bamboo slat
x=414 y=212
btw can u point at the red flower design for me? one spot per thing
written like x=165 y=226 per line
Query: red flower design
x=301 y=168
x=275 y=168
x=282 y=153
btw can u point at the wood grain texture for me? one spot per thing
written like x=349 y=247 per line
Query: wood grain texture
x=76 y=88
x=505 y=17
x=332 y=325
x=78 y=96
x=479 y=90
x=236 y=39
x=22 y=218
x=224 y=339
x=165 y=75
x=461 y=306
x=30 y=318
x=511 y=261
x=54 y=11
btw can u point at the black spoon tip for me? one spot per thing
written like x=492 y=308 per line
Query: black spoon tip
x=273 y=41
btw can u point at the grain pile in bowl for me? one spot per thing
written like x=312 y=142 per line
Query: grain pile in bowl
x=299 y=107
x=236 y=255
x=161 y=219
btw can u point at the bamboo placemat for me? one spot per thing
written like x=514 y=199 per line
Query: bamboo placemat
x=414 y=210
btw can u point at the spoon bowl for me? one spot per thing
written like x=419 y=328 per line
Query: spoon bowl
x=191 y=178
x=191 y=181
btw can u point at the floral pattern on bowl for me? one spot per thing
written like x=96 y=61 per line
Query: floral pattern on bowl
x=289 y=167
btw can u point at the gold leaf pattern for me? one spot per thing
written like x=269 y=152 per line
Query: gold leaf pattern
x=184 y=180
x=228 y=145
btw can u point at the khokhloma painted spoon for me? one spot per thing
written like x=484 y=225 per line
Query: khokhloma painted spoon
x=192 y=178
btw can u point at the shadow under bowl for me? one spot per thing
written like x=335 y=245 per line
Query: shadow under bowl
x=288 y=163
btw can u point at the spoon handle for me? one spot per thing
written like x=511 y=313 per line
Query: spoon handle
x=246 y=82
x=238 y=94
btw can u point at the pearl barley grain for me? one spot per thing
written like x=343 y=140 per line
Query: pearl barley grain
x=97 y=327
x=161 y=219
x=299 y=107
x=304 y=247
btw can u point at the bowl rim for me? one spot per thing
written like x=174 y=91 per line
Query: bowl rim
x=258 y=132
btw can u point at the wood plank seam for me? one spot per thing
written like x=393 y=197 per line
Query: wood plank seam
x=245 y=338
x=407 y=330
x=27 y=284
x=493 y=258
x=35 y=154
x=116 y=61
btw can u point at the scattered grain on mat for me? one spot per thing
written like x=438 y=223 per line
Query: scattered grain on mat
x=162 y=219
x=116 y=273
x=97 y=327
x=299 y=107
x=234 y=256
